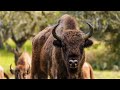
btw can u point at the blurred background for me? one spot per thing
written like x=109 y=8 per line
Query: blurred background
x=17 y=28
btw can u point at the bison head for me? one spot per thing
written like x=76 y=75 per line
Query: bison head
x=20 y=72
x=72 y=43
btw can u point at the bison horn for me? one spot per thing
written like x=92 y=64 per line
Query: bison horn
x=11 y=69
x=54 y=33
x=89 y=34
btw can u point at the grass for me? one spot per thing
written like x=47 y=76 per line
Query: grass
x=7 y=58
x=107 y=74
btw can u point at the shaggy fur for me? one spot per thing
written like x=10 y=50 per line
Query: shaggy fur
x=37 y=44
x=50 y=56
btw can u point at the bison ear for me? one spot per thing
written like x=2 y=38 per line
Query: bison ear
x=88 y=43
x=57 y=43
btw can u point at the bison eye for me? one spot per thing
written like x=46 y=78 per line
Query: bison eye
x=57 y=43
x=64 y=46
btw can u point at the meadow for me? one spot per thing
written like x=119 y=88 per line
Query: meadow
x=7 y=58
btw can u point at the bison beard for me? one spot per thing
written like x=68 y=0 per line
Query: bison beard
x=58 y=49
x=73 y=70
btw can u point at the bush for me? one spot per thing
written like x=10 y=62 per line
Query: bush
x=100 y=57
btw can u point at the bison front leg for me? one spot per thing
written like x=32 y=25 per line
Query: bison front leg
x=53 y=71
x=62 y=72
x=44 y=68
x=53 y=74
x=35 y=67
x=36 y=72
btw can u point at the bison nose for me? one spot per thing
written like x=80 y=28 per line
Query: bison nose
x=73 y=63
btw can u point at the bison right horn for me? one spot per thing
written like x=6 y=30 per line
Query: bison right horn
x=89 y=34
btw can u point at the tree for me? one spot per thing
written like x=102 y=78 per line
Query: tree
x=20 y=26
x=4 y=28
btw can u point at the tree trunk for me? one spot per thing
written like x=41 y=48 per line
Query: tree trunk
x=1 y=44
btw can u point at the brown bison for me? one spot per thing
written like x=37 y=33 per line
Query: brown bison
x=58 y=50
x=3 y=74
x=23 y=67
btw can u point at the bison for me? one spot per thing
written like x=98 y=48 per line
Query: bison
x=87 y=71
x=3 y=74
x=58 y=50
x=23 y=67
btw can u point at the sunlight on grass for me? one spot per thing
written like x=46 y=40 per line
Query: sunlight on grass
x=6 y=59
x=107 y=74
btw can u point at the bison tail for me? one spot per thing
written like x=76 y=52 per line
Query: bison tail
x=6 y=76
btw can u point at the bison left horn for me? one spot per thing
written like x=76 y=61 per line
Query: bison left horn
x=89 y=34
x=54 y=33
x=11 y=69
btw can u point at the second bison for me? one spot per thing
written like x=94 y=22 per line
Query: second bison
x=23 y=67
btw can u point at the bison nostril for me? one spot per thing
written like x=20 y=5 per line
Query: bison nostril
x=76 y=61
x=71 y=61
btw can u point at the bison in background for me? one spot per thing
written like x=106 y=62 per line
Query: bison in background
x=3 y=75
x=23 y=67
x=87 y=71
x=58 y=50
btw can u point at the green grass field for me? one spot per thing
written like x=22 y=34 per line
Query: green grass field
x=7 y=58
x=107 y=74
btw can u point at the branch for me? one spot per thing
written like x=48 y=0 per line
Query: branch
x=16 y=50
x=32 y=29
x=9 y=48
x=13 y=36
